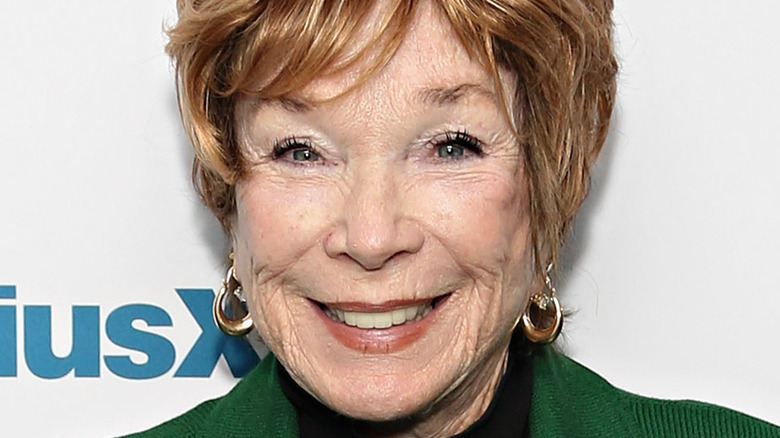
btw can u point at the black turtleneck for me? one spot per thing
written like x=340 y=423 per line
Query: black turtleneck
x=507 y=415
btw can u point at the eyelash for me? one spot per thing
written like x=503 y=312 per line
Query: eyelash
x=460 y=139
x=288 y=144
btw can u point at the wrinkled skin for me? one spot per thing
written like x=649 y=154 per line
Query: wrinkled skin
x=377 y=204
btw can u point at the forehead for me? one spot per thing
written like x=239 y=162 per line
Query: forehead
x=430 y=62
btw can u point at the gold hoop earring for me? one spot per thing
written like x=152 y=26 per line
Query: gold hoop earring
x=231 y=288
x=549 y=306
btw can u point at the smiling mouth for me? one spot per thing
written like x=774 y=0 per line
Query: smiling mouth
x=382 y=319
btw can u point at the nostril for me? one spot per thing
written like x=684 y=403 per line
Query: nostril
x=374 y=226
x=376 y=245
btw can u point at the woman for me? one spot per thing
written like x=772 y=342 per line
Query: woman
x=396 y=180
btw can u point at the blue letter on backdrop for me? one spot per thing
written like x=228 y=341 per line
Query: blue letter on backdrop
x=84 y=355
x=159 y=350
x=212 y=343
x=7 y=333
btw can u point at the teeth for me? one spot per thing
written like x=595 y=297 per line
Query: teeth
x=380 y=320
x=399 y=316
x=364 y=320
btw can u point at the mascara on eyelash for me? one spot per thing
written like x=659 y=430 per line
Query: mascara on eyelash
x=460 y=138
x=463 y=139
x=287 y=144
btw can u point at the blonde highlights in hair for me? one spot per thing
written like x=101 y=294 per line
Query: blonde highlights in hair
x=559 y=51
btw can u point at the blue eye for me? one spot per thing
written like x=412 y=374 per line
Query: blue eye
x=450 y=151
x=456 y=145
x=294 y=149
x=302 y=154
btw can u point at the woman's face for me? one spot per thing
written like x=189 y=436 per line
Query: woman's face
x=384 y=236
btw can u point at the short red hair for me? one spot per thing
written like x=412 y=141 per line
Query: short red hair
x=560 y=52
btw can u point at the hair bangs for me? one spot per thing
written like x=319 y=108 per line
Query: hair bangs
x=288 y=46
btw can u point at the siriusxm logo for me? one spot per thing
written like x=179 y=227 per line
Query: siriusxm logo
x=84 y=357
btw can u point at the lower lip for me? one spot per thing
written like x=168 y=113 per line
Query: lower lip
x=379 y=341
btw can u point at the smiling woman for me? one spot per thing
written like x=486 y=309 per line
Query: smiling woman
x=401 y=199
x=396 y=179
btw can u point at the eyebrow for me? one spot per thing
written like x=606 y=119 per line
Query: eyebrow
x=443 y=96
x=288 y=103
x=436 y=96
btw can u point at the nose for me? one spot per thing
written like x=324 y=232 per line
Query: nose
x=374 y=225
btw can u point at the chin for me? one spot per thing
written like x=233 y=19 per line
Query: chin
x=373 y=385
x=387 y=403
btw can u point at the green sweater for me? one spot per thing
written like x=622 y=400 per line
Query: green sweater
x=568 y=400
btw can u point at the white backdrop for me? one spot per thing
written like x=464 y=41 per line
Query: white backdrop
x=671 y=267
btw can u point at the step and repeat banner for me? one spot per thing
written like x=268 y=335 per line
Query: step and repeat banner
x=109 y=263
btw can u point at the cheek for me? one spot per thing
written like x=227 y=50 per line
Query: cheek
x=481 y=218
x=276 y=223
x=483 y=222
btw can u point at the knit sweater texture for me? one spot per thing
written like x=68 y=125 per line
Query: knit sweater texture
x=567 y=400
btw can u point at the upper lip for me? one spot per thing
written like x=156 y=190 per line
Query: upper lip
x=358 y=306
